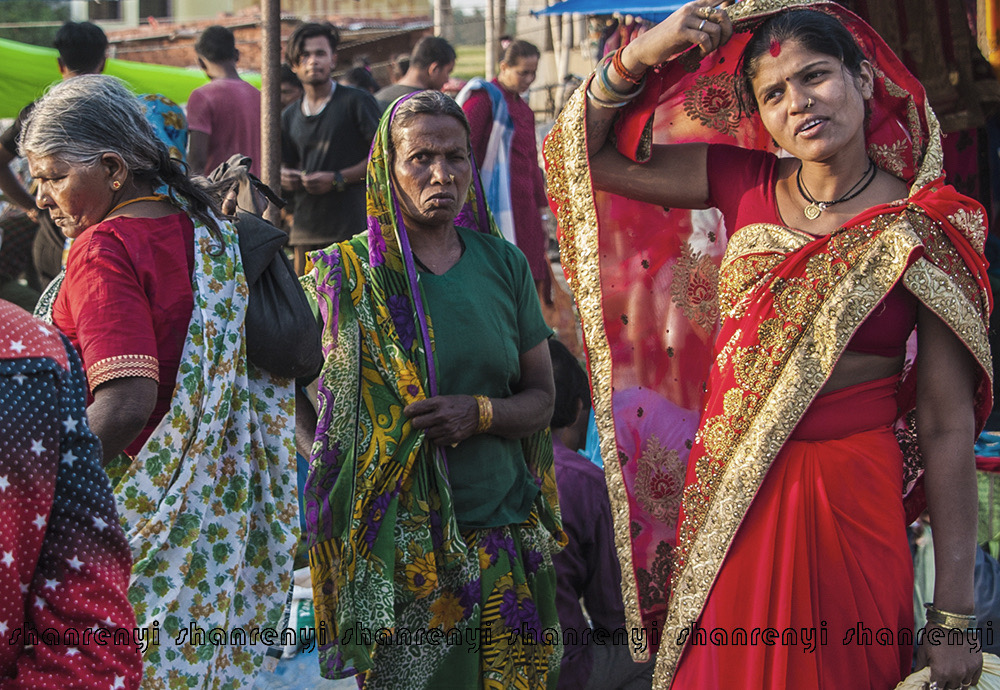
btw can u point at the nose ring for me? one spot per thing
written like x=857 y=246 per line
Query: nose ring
x=810 y=103
x=452 y=177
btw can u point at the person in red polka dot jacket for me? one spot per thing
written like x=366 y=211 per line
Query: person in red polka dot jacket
x=65 y=618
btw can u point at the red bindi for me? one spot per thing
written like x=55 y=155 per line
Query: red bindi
x=775 y=48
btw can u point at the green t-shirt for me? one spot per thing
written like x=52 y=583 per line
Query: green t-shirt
x=485 y=314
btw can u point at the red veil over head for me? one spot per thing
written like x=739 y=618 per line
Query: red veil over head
x=646 y=280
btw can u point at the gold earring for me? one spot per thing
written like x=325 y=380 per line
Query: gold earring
x=116 y=185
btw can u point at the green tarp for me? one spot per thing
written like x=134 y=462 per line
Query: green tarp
x=26 y=71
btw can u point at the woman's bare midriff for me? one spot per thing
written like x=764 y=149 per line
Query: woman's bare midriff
x=858 y=367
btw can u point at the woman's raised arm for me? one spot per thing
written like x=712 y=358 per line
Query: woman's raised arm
x=674 y=176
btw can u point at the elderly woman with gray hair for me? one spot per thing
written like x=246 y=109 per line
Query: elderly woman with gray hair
x=154 y=299
x=431 y=501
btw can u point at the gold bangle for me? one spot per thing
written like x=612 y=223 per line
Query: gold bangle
x=950 y=621
x=485 y=414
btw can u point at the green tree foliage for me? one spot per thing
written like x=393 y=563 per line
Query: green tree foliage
x=32 y=12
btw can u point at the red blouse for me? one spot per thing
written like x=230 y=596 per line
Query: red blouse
x=741 y=184
x=126 y=303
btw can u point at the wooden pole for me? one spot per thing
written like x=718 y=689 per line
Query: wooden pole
x=270 y=102
x=444 y=19
x=564 y=50
x=491 y=40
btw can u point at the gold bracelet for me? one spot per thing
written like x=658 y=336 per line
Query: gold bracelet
x=950 y=621
x=485 y=414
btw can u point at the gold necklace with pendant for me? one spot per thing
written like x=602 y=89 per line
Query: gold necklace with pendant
x=815 y=208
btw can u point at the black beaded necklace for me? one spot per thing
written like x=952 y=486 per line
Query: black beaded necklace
x=815 y=208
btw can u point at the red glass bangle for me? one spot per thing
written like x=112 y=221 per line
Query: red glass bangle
x=630 y=77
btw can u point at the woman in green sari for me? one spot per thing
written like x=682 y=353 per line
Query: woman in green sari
x=431 y=503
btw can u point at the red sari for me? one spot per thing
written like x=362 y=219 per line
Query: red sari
x=792 y=514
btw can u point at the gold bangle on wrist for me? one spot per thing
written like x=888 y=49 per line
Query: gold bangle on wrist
x=948 y=620
x=485 y=414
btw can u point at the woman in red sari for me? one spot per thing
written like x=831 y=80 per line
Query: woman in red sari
x=790 y=565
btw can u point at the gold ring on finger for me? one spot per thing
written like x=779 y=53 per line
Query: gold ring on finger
x=705 y=12
x=702 y=25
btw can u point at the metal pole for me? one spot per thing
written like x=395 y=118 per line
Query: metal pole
x=270 y=101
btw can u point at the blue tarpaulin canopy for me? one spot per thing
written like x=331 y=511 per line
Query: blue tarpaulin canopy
x=651 y=10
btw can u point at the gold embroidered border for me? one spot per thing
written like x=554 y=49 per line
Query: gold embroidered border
x=752 y=8
x=122 y=366
x=935 y=289
x=762 y=238
x=932 y=166
x=569 y=184
x=804 y=374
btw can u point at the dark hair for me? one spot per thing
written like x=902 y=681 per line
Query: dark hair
x=815 y=31
x=519 y=49
x=81 y=119
x=303 y=32
x=82 y=46
x=400 y=65
x=361 y=78
x=288 y=75
x=217 y=44
x=571 y=385
x=430 y=50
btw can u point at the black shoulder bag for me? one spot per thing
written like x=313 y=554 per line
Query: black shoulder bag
x=282 y=334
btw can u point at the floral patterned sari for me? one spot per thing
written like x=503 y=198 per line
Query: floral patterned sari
x=727 y=336
x=401 y=593
x=208 y=504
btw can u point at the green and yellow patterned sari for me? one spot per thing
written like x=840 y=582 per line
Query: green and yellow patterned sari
x=401 y=593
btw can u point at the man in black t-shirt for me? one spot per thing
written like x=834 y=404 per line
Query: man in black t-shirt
x=325 y=138
x=82 y=49
x=431 y=63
